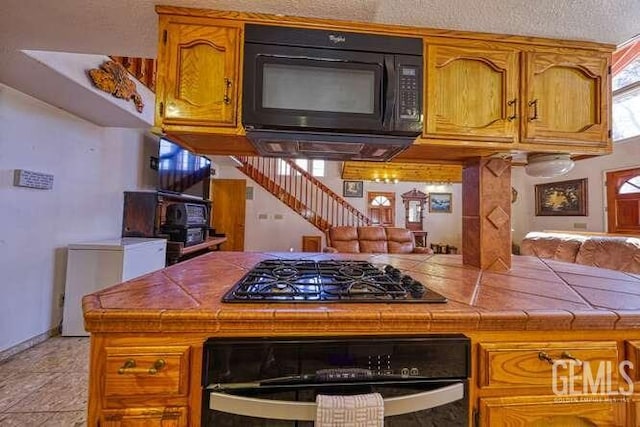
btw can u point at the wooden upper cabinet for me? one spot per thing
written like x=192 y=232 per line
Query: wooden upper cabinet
x=567 y=98
x=534 y=98
x=198 y=73
x=471 y=93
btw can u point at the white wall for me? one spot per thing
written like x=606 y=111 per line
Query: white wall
x=91 y=166
x=626 y=155
x=285 y=233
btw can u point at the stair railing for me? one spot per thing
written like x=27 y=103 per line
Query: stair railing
x=301 y=191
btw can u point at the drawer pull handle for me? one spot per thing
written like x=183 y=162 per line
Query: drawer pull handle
x=227 y=86
x=567 y=355
x=543 y=355
x=534 y=104
x=515 y=114
x=129 y=367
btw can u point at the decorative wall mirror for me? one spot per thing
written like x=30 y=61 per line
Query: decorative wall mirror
x=414 y=203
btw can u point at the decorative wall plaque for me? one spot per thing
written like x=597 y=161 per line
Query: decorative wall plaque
x=113 y=78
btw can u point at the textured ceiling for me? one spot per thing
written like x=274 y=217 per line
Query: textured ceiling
x=128 y=27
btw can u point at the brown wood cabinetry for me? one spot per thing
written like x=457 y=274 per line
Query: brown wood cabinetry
x=530 y=365
x=471 y=93
x=145 y=417
x=134 y=375
x=566 y=98
x=146 y=381
x=146 y=371
x=534 y=98
x=483 y=93
x=516 y=384
x=198 y=75
x=550 y=411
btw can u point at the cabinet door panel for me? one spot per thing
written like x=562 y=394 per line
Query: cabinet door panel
x=201 y=85
x=471 y=93
x=567 y=99
x=531 y=365
x=549 y=411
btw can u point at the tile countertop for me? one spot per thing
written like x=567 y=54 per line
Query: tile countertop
x=534 y=295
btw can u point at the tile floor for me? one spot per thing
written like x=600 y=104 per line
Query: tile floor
x=46 y=385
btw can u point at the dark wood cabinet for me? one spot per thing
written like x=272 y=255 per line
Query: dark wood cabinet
x=145 y=213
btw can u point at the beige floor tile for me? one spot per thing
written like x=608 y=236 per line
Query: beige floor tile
x=54 y=355
x=44 y=419
x=67 y=393
x=21 y=385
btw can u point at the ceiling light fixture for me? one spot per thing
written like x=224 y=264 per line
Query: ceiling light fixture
x=548 y=165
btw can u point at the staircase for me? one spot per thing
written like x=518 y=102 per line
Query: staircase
x=302 y=192
x=143 y=69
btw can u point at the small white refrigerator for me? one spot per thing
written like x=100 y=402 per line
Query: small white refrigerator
x=93 y=266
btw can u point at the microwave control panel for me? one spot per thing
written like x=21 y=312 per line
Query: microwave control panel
x=409 y=92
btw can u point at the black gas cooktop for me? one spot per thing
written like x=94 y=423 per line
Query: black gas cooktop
x=328 y=281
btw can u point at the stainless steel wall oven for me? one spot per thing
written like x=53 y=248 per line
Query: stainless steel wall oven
x=274 y=382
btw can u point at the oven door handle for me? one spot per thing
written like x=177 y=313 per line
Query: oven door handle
x=306 y=411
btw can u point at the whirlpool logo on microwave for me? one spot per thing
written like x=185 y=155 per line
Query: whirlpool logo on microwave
x=335 y=39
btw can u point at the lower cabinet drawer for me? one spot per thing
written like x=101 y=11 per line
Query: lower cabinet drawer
x=145 y=417
x=549 y=411
x=551 y=367
x=134 y=371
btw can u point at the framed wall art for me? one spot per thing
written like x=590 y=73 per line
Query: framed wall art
x=440 y=202
x=564 y=198
x=352 y=189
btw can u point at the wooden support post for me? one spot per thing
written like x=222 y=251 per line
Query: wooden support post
x=486 y=214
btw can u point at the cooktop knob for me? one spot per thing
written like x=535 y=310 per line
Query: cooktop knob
x=392 y=271
x=416 y=289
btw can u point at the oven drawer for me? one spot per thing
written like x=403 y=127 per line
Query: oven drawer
x=532 y=365
x=146 y=371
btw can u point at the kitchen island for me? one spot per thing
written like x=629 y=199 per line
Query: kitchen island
x=147 y=334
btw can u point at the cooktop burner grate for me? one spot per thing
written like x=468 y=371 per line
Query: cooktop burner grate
x=328 y=281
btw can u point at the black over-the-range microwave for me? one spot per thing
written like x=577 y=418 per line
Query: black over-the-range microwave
x=331 y=94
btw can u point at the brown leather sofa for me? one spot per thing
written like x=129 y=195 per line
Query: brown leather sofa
x=604 y=251
x=373 y=239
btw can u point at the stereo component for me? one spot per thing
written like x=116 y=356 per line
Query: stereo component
x=187 y=235
x=186 y=215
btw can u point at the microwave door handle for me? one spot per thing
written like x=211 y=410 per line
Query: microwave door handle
x=389 y=86
x=306 y=411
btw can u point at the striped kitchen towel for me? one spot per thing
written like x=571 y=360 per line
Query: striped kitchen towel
x=361 y=410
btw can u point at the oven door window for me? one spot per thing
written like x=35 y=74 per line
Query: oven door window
x=450 y=413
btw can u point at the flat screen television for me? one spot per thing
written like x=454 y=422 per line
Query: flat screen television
x=182 y=172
